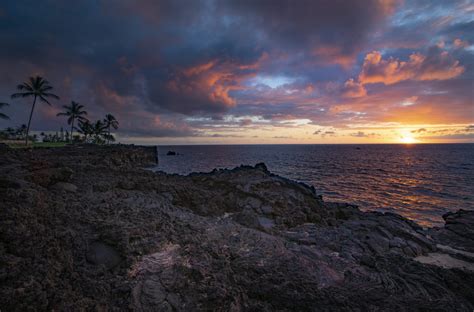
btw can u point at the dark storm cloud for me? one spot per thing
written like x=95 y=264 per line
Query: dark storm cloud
x=332 y=26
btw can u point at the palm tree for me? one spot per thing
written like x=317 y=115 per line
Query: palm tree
x=99 y=131
x=3 y=116
x=85 y=128
x=38 y=87
x=75 y=111
x=109 y=122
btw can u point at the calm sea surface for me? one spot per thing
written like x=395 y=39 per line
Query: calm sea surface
x=420 y=181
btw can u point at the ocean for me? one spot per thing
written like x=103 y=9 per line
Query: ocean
x=418 y=181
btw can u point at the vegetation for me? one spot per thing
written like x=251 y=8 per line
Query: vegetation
x=36 y=87
x=85 y=128
x=73 y=112
x=97 y=132
x=110 y=122
x=15 y=134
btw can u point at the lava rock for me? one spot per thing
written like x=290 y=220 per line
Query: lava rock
x=64 y=186
x=103 y=254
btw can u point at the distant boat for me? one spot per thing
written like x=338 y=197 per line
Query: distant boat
x=171 y=153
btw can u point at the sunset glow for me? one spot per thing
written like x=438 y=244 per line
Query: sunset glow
x=408 y=140
x=231 y=72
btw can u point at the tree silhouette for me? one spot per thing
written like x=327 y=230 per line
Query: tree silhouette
x=99 y=131
x=85 y=128
x=21 y=131
x=37 y=87
x=110 y=122
x=3 y=116
x=73 y=112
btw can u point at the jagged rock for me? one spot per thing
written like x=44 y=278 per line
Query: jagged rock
x=458 y=231
x=231 y=240
x=266 y=223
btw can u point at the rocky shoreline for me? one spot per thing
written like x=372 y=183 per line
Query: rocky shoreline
x=86 y=228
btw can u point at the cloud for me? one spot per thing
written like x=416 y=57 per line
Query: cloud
x=353 y=89
x=459 y=44
x=419 y=130
x=333 y=30
x=467 y=137
x=362 y=134
x=168 y=69
x=204 y=87
x=436 y=65
x=410 y=101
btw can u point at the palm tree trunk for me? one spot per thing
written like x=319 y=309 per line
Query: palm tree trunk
x=108 y=138
x=72 y=128
x=29 y=121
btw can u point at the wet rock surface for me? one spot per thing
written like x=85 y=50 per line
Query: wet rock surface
x=230 y=240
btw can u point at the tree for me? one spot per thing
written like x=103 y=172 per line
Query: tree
x=11 y=132
x=37 y=87
x=110 y=122
x=73 y=112
x=85 y=128
x=99 y=131
x=21 y=131
x=3 y=116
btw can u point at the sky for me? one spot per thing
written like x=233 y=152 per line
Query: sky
x=248 y=71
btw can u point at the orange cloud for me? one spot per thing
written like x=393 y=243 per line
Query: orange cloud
x=389 y=6
x=212 y=80
x=436 y=66
x=353 y=89
x=334 y=55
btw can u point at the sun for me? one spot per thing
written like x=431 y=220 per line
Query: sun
x=408 y=140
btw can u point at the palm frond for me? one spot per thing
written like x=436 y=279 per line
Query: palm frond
x=44 y=100
x=18 y=95
x=24 y=86
x=46 y=88
x=54 y=96
x=3 y=116
x=3 y=104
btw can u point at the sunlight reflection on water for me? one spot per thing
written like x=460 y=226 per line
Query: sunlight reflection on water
x=421 y=182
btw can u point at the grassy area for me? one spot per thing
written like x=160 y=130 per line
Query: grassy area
x=36 y=144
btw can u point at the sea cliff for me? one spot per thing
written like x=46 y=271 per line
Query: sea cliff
x=88 y=228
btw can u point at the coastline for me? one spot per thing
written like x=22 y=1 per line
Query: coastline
x=88 y=228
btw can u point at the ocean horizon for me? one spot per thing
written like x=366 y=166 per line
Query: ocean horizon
x=419 y=181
